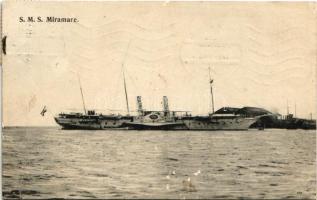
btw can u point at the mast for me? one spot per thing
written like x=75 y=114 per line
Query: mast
x=287 y=108
x=211 y=92
x=82 y=95
x=125 y=91
x=295 y=110
x=124 y=82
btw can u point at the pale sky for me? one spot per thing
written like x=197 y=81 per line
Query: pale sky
x=261 y=54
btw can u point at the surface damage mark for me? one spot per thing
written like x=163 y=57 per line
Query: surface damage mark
x=4 y=45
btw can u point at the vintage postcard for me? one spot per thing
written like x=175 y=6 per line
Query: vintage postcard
x=169 y=100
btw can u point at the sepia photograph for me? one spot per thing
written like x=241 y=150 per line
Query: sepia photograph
x=158 y=100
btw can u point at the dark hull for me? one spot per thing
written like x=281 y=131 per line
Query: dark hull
x=70 y=127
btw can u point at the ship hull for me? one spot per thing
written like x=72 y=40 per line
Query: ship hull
x=186 y=124
x=220 y=124
x=156 y=126
x=94 y=124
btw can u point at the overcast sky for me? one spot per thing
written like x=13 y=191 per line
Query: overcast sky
x=261 y=54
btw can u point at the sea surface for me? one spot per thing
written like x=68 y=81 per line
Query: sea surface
x=55 y=163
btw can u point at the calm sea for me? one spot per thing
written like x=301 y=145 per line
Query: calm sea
x=55 y=163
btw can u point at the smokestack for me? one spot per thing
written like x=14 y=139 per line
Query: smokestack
x=139 y=104
x=165 y=104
